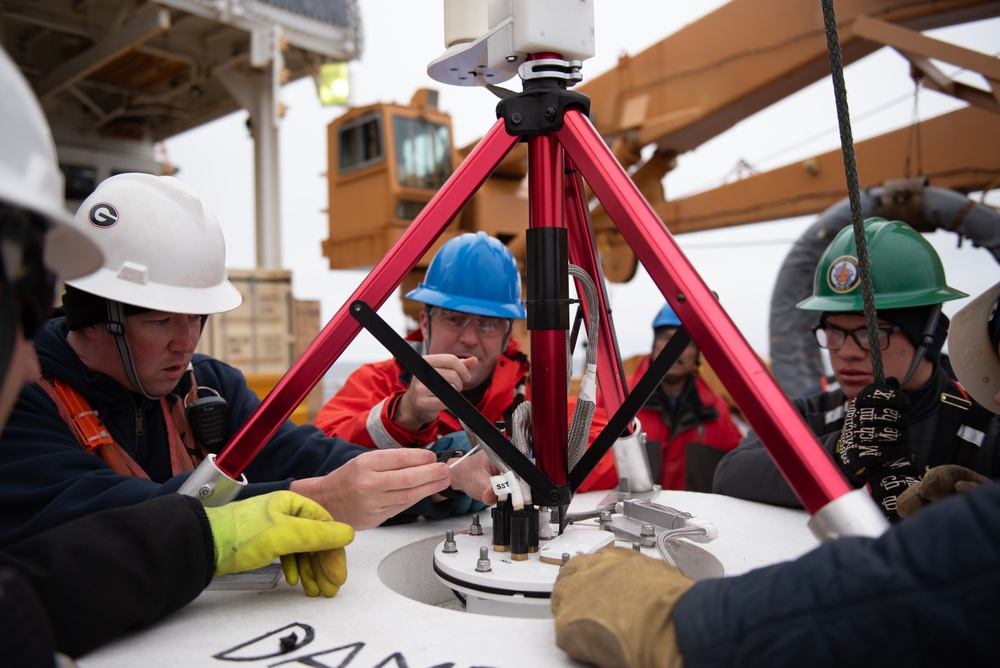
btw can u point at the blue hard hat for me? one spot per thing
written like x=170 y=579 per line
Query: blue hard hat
x=666 y=318
x=473 y=273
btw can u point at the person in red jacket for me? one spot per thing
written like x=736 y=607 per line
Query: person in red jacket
x=472 y=293
x=472 y=290
x=688 y=427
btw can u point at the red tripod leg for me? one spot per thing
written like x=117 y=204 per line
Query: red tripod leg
x=387 y=275
x=583 y=253
x=808 y=469
x=548 y=346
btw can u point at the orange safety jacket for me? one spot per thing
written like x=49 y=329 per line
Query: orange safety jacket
x=185 y=452
x=361 y=411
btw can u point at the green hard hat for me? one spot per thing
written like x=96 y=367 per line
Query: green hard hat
x=905 y=271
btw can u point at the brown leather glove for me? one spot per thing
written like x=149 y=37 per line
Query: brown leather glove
x=614 y=609
x=938 y=483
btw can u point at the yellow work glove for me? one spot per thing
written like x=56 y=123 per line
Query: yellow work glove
x=254 y=532
x=938 y=483
x=615 y=609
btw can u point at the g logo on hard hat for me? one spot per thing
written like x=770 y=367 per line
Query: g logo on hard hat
x=843 y=275
x=103 y=215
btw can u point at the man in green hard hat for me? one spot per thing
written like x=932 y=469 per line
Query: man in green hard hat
x=881 y=435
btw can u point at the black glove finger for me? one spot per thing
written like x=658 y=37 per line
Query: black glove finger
x=883 y=411
x=888 y=483
x=880 y=395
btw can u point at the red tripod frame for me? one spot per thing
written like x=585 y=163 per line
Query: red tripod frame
x=557 y=161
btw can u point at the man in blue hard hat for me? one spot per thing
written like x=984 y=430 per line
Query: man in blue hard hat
x=688 y=427
x=472 y=294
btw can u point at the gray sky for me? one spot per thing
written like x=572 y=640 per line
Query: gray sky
x=402 y=36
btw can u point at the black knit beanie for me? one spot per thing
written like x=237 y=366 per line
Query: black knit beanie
x=912 y=322
x=83 y=309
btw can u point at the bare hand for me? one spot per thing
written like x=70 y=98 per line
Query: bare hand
x=472 y=476
x=418 y=405
x=377 y=485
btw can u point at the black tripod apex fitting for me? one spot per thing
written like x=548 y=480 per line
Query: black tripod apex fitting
x=539 y=109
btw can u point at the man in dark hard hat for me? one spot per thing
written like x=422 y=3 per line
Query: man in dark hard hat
x=922 y=594
x=881 y=436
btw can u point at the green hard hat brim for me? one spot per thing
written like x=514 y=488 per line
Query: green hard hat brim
x=853 y=302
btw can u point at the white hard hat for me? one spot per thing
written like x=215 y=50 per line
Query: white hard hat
x=30 y=178
x=163 y=248
x=973 y=353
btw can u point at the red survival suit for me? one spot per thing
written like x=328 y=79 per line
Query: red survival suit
x=700 y=417
x=362 y=409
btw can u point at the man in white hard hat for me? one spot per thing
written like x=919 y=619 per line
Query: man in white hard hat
x=113 y=407
x=970 y=346
x=150 y=558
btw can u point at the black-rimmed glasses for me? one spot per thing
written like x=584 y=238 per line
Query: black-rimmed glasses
x=833 y=338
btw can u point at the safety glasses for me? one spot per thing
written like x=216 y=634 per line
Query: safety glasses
x=487 y=327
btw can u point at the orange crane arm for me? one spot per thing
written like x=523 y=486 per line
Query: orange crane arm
x=961 y=149
x=738 y=60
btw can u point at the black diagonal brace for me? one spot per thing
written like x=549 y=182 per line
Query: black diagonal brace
x=635 y=400
x=457 y=404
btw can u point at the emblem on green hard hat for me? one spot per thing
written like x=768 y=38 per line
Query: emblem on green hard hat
x=844 y=274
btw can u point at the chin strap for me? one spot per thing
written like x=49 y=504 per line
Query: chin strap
x=926 y=340
x=116 y=326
